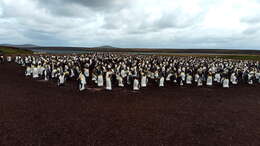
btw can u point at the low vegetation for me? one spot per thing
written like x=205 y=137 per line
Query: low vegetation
x=11 y=50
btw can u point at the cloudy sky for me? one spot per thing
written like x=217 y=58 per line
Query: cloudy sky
x=132 y=23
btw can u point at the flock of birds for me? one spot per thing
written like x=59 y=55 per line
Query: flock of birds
x=136 y=71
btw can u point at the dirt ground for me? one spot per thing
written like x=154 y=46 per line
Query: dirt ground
x=39 y=113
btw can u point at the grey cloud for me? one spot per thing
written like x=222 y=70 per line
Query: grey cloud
x=78 y=8
x=173 y=20
x=251 y=19
x=99 y=4
x=134 y=23
x=251 y=30
x=60 y=8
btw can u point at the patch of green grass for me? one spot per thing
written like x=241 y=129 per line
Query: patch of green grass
x=10 y=50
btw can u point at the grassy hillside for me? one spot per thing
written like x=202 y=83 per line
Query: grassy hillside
x=11 y=50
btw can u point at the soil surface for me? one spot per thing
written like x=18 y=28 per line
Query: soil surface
x=39 y=113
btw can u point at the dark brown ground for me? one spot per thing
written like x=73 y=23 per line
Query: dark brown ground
x=39 y=113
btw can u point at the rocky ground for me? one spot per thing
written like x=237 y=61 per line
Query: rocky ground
x=40 y=113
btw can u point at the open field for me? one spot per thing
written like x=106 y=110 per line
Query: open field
x=11 y=50
x=150 y=50
x=221 y=53
x=40 y=113
x=140 y=50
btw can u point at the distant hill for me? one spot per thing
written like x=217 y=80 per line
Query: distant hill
x=19 y=46
x=151 y=51
x=7 y=50
x=99 y=49
x=105 y=47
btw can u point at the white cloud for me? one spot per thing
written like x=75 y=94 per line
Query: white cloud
x=134 y=23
